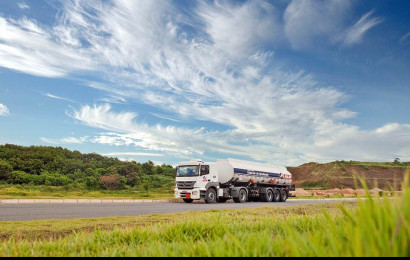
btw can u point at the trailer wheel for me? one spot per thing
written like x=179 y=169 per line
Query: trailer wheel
x=267 y=197
x=188 y=200
x=283 y=195
x=243 y=196
x=276 y=195
x=210 y=196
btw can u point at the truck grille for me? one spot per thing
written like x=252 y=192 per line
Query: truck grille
x=185 y=184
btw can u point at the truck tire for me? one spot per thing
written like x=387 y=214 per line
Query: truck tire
x=210 y=196
x=267 y=197
x=188 y=200
x=243 y=196
x=276 y=195
x=283 y=195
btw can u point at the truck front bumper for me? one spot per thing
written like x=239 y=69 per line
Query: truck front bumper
x=194 y=194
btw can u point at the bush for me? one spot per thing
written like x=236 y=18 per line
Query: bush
x=5 y=170
x=91 y=182
x=19 y=177
x=110 y=182
x=56 y=180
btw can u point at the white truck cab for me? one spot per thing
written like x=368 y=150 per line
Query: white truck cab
x=193 y=179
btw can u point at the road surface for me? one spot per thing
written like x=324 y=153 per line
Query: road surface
x=23 y=212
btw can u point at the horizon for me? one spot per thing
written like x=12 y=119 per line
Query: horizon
x=124 y=159
x=277 y=82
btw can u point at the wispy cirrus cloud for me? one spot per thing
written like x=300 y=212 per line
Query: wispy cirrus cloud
x=356 y=33
x=57 y=97
x=27 y=47
x=4 y=111
x=65 y=140
x=308 y=21
x=133 y=154
x=405 y=39
x=327 y=141
x=215 y=64
x=23 y=5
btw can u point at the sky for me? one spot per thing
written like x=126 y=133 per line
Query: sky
x=280 y=82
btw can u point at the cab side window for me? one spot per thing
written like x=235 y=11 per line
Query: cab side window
x=204 y=170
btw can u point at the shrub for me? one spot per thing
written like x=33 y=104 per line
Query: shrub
x=19 y=177
x=5 y=170
x=110 y=182
x=91 y=182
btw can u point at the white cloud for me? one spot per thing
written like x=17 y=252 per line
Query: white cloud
x=23 y=5
x=133 y=154
x=65 y=140
x=4 y=111
x=357 y=31
x=325 y=140
x=309 y=20
x=29 y=48
x=240 y=29
x=208 y=65
x=405 y=39
x=114 y=99
x=57 y=97
x=166 y=117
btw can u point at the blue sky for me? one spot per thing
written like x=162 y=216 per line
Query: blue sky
x=282 y=82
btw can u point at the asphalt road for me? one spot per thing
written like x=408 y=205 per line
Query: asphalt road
x=23 y=212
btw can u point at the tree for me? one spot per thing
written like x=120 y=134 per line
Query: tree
x=131 y=172
x=110 y=182
x=5 y=170
x=148 y=168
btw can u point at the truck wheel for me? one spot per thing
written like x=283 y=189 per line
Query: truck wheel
x=276 y=195
x=267 y=197
x=283 y=195
x=210 y=196
x=243 y=196
x=188 y=200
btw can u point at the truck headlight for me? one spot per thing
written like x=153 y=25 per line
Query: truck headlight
x=195 y=193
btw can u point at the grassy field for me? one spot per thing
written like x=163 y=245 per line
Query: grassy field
x=8 y=191
x=371 y=227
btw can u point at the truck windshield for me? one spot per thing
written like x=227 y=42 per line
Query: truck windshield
x=186 y=171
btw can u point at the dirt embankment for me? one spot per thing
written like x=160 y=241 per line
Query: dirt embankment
x=339 y=175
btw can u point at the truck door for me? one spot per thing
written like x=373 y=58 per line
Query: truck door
x=205 y=170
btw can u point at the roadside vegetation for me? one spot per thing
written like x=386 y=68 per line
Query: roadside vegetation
x=44 y=172
x=372 y=227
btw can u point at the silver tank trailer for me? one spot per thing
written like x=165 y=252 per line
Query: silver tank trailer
x=245 y=171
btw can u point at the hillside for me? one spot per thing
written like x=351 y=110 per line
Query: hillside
x=57 y=166
x=340 y=174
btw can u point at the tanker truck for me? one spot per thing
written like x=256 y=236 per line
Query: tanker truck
x=227 y=179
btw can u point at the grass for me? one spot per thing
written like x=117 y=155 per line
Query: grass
x=372 y=227
x=50 y=192
x=365 y=165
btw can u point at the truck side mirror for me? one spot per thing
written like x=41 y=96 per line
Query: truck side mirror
x=204 y=170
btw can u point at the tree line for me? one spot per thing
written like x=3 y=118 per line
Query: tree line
x=57 y=166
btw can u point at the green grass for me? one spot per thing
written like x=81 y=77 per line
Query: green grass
x=8 y=191
x=371 y=227
x=365 y=165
